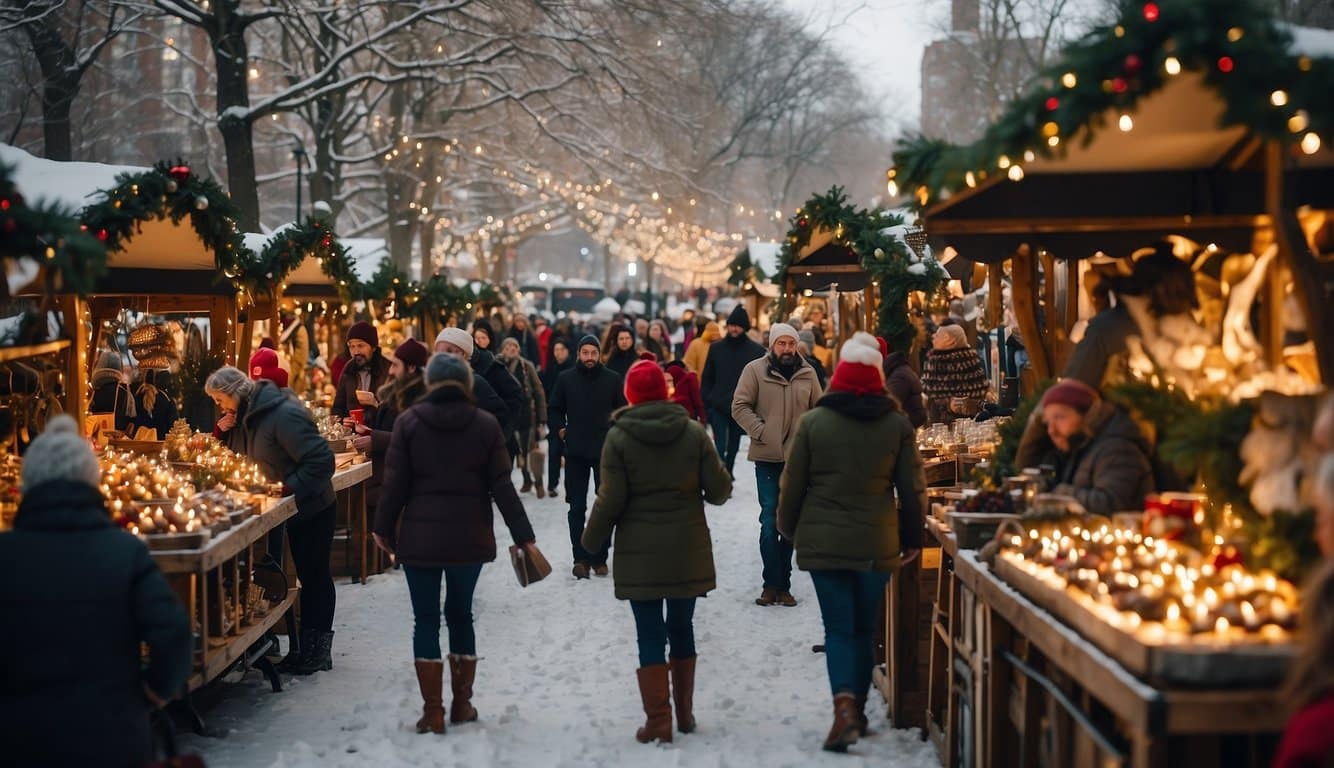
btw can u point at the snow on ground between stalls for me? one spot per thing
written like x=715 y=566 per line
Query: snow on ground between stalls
x=556 y=683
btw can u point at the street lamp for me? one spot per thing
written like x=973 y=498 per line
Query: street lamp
x=299 y=153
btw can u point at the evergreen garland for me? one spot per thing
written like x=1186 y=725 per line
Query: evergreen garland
x=294 y=244
x=384 y=283
x=887 y=259
x=175 y=192
x=1237 y=46
x=50 y=236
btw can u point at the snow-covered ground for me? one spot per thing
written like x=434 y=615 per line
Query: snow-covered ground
x=556 y=684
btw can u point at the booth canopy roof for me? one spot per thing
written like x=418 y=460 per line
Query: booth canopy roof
x=159 y=243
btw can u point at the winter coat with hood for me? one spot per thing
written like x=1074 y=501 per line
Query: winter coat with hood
x=1107 y=469
x=658 y=469
x=850 y=457
x=698 y=351
x=446 y=465
x=395 y=397
x=276 y=430
x=768 y=405
x=485 y=366
x=902 y=382
x=345 y=397
x=620 y=360
x=73 y=692
x=722 y=370
x=582 y=405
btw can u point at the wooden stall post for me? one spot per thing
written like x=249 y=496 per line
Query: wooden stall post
x=1024 y=297
x=76 y=393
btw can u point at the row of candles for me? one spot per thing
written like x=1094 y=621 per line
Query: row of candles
x=1158 y=589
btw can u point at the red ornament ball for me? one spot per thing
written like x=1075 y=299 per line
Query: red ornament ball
x=1119 y=85
x=1228 y=555
x=1151 y=12
x=179 y=172
x=1133 y=63
x=4 y=204
x=1225 y=64
x=1052 y=103
x=802 y=222
x=102 y=235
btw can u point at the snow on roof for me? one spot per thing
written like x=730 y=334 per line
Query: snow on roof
x=365 y=253
x=1309 y=41
x=764 y=255
x=72 y=185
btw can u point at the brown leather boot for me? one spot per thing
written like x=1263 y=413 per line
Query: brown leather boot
x=845 y=730
x=431 y=681
x=683 y=693
x=655 y=691
x=462 y=672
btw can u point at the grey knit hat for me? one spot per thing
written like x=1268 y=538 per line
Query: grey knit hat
x=443 y=367
x=60 y=453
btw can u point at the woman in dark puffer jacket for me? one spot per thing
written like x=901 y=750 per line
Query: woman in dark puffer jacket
x=447 y=464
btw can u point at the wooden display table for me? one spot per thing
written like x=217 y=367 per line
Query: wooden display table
x=1012 y=685
x=360 y=557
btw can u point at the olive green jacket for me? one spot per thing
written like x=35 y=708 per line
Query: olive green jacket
x=658 y=468
x=836 y=499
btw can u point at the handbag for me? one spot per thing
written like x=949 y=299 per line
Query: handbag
x=530 y=565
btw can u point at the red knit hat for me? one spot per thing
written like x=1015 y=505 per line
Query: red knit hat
x=645 y=382
x=264 y=365
x=412 y=352
x=1073 y=393
x=859 y=367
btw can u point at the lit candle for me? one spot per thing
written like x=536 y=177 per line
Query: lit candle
x=1248 y=615
x=1221 y=627
x=1210 y=598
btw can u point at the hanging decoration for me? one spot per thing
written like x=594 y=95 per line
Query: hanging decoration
x=891 y=264
x=46 y=236
x=1237 y=46
x=175 y=192
x=290 y=246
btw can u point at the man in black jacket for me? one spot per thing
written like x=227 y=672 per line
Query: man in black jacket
x=722 y=370
x=459 y=343
x=580 y=414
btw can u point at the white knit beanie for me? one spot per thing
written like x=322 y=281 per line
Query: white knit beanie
x=862 y=349
x=779 y=330
x=60 y=453
x=458 y=337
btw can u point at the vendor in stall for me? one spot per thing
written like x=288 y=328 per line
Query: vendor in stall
x=111 y=390
x=1099 y=455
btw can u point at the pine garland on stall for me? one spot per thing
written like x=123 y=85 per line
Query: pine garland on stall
x=294 y=244
x=49 y=236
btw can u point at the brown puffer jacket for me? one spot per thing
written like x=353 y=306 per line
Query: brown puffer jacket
x=446 y=464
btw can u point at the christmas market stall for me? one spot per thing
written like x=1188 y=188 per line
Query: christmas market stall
x=1157 y=635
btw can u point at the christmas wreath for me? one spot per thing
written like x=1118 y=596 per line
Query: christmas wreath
x=1237 y=46
x=294 y=244
x=47 y=235
x=895 y=268
x=175 y=192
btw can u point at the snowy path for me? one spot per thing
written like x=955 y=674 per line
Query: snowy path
x=556 y=684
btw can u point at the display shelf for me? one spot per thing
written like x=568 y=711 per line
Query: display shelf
x=220 y=659
x=229 y=543
x=24 y=351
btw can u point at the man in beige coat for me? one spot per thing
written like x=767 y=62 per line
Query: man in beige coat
x=771 y=397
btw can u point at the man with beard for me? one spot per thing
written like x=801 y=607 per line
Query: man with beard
x=459 y=343
x=580 y=412
x=722 y=370
x=529 y=424
x=366 y=371
x=558 y=362
x=771 y=396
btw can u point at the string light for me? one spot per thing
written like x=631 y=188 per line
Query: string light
x=1125 y=123
x=1311 y=143
x=1278 y=98
x=1172 y=65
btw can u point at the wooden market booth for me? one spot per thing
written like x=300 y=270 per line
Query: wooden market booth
x=1007 y=682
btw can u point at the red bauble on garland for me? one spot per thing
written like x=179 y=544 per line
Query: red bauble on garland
x=1133 y=64
x=1225 y=64
x=102 y=235
x=1052 y=103
x=802 y=222
x=179 y=172
x=1119 y=85
x=1151 y=12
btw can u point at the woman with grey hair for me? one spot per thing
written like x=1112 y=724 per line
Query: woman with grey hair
x=447 y=465
x=272 y=427
x=75 y=693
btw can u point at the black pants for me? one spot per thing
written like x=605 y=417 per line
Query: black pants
x=576 y=486
x=555 y=452
x=311 y=539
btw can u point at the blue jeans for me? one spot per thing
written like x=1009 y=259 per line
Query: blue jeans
x=424 y=590
x=726 y=437
x=849 y=601
x=576 y=487
x=654 y=632
x=775 y=551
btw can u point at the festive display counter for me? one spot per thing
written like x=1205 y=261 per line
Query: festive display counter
x=1012 y=682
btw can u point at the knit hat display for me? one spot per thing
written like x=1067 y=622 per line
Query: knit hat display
x=1073 y=393
x=590 y=341
x=364 y=331
x=412 y=352
x=264 y=365
x=739 y=317
x=60 y=453
x=859 y=367
x=782 y=330
x=442 y=368
x=645 y=382
x=458 y=337
x=950 y=337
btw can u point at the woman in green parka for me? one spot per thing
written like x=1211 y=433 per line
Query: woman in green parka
x=658 y=468
x=852 y=454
